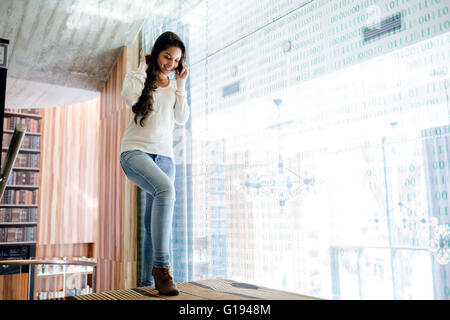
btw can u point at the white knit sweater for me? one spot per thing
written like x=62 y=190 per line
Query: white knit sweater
x=170 y=106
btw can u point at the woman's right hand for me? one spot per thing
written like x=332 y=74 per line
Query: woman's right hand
x=144 y=56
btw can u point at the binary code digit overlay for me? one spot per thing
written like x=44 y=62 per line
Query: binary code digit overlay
x=318 y=146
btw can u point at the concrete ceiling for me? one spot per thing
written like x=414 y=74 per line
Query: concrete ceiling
x=61 y=52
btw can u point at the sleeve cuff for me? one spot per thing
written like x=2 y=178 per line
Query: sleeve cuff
x=181 y=84
x=142 y=67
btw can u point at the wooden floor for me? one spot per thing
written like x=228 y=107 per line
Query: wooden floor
x=215 y=289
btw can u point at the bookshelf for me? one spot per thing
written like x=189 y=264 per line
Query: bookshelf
x=55 y=277
x=57 y=281
x=19 y=205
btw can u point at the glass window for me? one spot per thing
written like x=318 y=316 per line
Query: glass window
x=320 y=143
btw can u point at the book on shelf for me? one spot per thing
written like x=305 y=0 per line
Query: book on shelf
x=44 y=295
x=24 y=110
x=19 y=196
x=17 y=234
x=28 y=142
x=10 y=122
x=46 y=269
x=10 y=179
x=18 y=214
x=25 y=160
x=23 y=177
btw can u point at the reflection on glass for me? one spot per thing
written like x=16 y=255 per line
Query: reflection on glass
x=366 y=121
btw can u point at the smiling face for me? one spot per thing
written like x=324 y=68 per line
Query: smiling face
x=169 y=59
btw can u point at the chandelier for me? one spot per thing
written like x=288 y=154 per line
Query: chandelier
x=409 y=221
x=279 y=183
x=440 y=241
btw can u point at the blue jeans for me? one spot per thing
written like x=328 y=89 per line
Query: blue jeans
x=154 y=174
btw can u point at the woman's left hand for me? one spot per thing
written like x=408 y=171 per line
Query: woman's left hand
x=184 y=73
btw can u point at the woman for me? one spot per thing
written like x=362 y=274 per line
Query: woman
x=146 y=154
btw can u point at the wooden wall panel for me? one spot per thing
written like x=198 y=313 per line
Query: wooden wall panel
x=116 y=242
x=87 y=207
x=68 y=194
x=14 y=287
x=66 y=250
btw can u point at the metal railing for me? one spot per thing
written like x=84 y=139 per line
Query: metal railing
x=61 y=262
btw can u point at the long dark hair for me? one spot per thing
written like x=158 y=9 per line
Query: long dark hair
x=144 y=106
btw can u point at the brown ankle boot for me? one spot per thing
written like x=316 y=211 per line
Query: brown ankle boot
x=164 y=281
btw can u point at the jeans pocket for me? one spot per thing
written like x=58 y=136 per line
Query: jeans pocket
x=166 y=164
x=164 y=159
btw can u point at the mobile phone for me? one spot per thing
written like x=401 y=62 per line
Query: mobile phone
x=180 y=68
